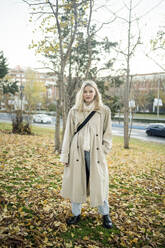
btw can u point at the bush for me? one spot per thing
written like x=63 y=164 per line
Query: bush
x=52 y=107
x=18 y=126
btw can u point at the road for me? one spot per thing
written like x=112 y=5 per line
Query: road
x=138 y=130
x=138 y=134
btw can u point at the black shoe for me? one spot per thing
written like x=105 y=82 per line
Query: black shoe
x=107 y=223
x=73 y=220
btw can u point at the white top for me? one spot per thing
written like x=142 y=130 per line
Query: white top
x=87 y=109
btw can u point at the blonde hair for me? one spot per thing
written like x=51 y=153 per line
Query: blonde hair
x=79 y=104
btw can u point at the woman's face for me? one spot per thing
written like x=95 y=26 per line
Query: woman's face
x=89 y=94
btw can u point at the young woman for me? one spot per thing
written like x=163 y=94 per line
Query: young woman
x=83 y=154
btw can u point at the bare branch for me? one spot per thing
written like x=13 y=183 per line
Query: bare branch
x=125 y=5
x=40 y=12
x=74 y=32
x=33 y=4
x=148 y=11
x=120 y=51
x=89 y=39
x=136 y=4
x=48 y=2
x=55 y=13
x=105 y=23
x=156 y=48
x=100 y=7
x=116 y=16
x=136 y=44
x=46 y=67
x=102 y=69
x=163 y=68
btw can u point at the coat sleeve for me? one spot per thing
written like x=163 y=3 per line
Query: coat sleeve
x=107 y=132
x=68 y=134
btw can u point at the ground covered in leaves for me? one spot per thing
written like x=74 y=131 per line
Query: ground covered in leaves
x=32 y=213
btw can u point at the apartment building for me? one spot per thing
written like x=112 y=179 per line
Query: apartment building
x=144 y=88
x=19 y=74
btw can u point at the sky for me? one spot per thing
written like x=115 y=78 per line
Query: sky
x=16 y=34
x=16 y=31
x=151 y=19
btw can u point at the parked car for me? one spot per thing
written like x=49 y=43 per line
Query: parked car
x=157 y=129
x=42 y=118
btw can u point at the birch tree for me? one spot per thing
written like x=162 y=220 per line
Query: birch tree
x=132 y=41
x=34 y=91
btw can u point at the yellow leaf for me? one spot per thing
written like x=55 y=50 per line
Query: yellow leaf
x=68 y=245
x=45 y=240
x=5 y=208
x=143 y=230
x=85 y=238
x=135 y=240
x=16 y=229
x=57 y=223
x=157 y=212
x=49 y=229
x=20 y=209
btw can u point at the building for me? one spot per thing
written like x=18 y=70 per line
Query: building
x=48 y=78
x=144 y=88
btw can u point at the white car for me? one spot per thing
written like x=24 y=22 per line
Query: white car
x=42 y=118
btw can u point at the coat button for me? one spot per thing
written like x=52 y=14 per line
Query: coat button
x=97 y=135
x=77 y=160
x=77 y=147
x=98 y=162
x=97 y=148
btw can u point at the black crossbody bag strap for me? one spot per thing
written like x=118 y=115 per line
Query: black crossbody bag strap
x=85 y=121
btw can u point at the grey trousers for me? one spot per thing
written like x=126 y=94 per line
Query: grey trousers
x=76 y=207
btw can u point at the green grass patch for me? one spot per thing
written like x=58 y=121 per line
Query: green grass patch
x=161 y=116
x=5 y=126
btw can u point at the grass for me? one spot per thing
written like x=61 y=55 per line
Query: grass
x=146 y=115
x=34 y=215
x=36 y=130
x=161 y=116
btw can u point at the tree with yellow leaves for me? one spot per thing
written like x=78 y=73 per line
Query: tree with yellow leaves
x=34 y=91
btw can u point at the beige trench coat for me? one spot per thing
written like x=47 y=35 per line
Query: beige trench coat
x=74 y=177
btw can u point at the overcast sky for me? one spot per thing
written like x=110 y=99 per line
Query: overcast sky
x=16 y=31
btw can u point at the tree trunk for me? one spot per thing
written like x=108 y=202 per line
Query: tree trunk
x=127 y=84
x=57 y=127
x=63 y=97
x=58 y=115
x=89 y=41
x=63 y=60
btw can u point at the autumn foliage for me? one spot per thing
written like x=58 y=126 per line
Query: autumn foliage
x=32 y=213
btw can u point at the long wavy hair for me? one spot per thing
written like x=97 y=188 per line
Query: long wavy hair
x=79 y=96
